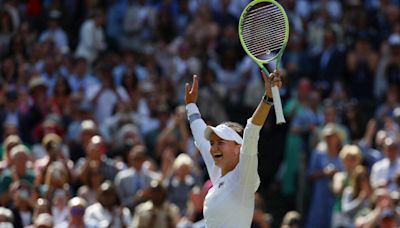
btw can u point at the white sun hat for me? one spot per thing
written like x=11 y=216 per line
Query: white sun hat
x=224 y=132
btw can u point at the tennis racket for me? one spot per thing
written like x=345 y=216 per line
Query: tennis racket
x=264 y=33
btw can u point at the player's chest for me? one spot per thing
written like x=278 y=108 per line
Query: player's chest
x=220 y=196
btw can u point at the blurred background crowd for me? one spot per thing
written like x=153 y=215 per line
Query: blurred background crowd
x=94 y=131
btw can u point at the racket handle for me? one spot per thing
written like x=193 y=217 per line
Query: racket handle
x=280 y=119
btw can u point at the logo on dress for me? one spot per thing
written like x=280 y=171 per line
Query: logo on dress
x=221 y=184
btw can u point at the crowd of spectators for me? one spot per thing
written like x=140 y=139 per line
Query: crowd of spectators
x=94 y=131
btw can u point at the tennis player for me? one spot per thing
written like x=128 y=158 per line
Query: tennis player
x=230 y=159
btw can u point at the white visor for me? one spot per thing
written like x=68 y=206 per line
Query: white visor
x=224 y=132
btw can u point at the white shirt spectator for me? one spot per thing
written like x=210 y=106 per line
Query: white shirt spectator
x=59 y=215
x=383 y=173
x=58 y=36
x=107 y=97
x=91 y=41
x=97 y=216
x=82 y=83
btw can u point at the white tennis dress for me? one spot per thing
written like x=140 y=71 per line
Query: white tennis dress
x=230 y=202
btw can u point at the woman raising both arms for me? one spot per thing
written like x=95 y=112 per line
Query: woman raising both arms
x=231 y=159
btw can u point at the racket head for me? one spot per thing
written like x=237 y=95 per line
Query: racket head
x=264 y=30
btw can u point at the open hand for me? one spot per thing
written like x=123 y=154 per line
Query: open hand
x=191 y=94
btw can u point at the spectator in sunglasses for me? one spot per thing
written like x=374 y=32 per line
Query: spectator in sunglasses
x=77 y=208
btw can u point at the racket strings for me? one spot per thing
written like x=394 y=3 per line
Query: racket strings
x=262 y=36
x=264 y=30
x=264 y=8
x=259 y=46
x=270 y=13
x=265 y=49
x=259 y=38
x=250 y=34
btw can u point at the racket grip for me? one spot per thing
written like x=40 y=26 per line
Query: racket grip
x=280 y=119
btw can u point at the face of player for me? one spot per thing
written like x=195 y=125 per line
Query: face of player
x=224 y=152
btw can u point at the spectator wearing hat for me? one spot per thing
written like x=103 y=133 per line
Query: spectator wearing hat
x=323 y=165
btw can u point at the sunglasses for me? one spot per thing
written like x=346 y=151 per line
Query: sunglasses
x=76 y=211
